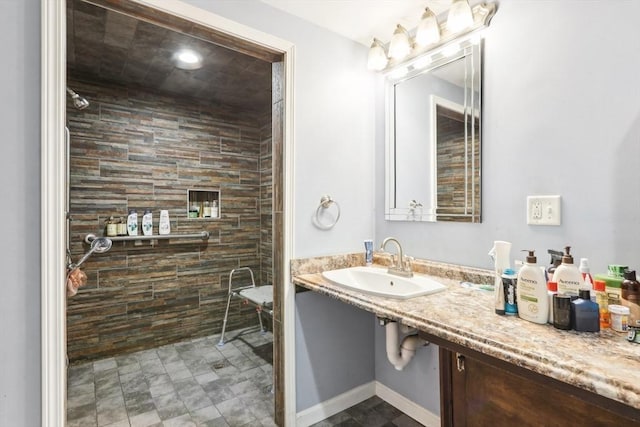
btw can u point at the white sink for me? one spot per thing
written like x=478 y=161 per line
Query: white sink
x=376 y=281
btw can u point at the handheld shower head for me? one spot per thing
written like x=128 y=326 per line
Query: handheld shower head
x=79 y=102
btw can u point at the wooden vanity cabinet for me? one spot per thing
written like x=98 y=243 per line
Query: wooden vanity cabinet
x=480 y=390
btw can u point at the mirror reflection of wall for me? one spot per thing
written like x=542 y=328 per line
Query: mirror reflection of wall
x=433 y=145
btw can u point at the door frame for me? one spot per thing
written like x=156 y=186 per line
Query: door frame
x=54 y=182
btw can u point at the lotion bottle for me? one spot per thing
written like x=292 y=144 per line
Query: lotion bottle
x=567 y=276
x=531 y=293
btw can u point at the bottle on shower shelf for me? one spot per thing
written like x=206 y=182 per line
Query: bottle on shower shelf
x=132 y=223
x=147 y=223
x=164 y=226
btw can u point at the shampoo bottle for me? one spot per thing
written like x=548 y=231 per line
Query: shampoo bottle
x=132 y=223
x=147 y=223
x=567 y=276
x=164 y=227
x=531 y=293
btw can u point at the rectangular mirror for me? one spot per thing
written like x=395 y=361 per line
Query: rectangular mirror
x=433 y=144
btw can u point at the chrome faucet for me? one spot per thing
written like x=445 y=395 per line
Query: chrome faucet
x=403 y=268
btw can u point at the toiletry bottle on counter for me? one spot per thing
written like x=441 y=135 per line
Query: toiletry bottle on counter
x=164 y=226
x=562 y=311
x=585 y=313
x=510 y=281
x=556 y=260
x=567 y=275
x=500 y=255
x=132 y=223
x=532 y=297
x=602 y=299
x=368 y=252
x=587 y=279
x=630 y=297
x=147 y=223
x=552 y=289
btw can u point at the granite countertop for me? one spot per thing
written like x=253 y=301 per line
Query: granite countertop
x=603 y=362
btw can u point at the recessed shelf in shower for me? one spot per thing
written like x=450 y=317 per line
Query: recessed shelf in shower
x=203 y=204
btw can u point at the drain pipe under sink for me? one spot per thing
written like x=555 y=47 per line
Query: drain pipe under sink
x=400 y=355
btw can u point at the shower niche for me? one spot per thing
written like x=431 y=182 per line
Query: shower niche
x=203 y=204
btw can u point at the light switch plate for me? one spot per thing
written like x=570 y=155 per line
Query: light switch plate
x=544 y=210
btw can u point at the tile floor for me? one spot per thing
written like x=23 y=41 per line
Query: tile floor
x=196 y=383
x=192 y=383
x=373 y=412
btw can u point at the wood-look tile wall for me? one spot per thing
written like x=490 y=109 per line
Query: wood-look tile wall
x=132 y=149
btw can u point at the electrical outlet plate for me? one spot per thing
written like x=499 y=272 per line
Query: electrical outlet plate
x=544 y=210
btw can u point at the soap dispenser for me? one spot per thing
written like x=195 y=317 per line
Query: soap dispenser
x=567 y=275
x=531 y=293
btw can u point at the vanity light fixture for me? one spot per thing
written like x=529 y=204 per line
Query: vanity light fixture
x=428 y=31
x=462 y=20
x=399 y=46
x=460 y=16
x=187 y=59
x=377 y=59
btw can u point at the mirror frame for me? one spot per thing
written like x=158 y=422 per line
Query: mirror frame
x=469 y=44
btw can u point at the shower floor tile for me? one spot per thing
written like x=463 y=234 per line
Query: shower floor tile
x=191 y=383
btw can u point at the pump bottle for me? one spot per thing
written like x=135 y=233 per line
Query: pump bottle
x=531 y=293
x=567 y=275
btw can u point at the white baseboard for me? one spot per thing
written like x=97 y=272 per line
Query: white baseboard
x=356 y=395
x=336 y=404
x=407 y=406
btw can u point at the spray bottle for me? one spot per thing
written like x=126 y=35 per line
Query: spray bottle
x=500 y=255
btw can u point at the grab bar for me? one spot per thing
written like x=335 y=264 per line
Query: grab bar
x=204 y=235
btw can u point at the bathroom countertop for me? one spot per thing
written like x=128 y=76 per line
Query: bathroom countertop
x=604 y=363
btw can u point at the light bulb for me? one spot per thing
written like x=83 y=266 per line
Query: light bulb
x=377 y=59
x=428 y=31
x=399 y=46
x=460 y=16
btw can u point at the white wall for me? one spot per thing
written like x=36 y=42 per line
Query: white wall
x=20 y=214
x=561 y=116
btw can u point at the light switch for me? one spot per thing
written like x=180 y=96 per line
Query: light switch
x=544 y=210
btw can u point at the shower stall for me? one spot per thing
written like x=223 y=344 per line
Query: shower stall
x=131 y=149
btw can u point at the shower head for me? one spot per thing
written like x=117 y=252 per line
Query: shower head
x=99 y=245
x=79 y=102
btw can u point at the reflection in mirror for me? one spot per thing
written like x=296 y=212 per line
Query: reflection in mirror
x=433 y=139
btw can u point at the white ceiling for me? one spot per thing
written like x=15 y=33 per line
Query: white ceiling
x=361 y=20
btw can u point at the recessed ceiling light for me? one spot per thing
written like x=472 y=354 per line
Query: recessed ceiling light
x=187 y=59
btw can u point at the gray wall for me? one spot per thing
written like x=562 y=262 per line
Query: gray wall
x=334 y=343
x=561 y=116
x=419 y=380
x=20 y=242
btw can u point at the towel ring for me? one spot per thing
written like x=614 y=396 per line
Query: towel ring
x=325 y=203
